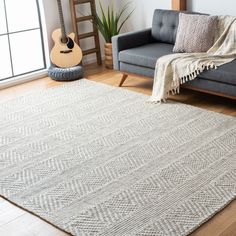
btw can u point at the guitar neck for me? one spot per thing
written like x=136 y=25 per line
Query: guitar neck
x=63 y=31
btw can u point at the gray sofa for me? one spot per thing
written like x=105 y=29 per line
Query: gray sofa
x=137 y=53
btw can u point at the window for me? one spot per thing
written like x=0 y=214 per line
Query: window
x=21 y=39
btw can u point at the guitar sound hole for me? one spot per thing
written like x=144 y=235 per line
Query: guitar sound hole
x=70 y=43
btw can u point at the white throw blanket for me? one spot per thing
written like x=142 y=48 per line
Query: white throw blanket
x=175 y=69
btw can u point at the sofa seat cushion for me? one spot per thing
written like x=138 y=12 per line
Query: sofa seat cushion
x=146 y=55
x=224 y=74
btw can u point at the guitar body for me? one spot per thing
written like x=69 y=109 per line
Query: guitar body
x=66 y=54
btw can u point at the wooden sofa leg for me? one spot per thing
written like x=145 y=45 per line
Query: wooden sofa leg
x=124 y=77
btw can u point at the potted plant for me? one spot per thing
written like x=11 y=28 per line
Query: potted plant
x=110 y=24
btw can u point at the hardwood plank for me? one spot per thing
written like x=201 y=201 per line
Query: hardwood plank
x=221 y=224
x=230 y=231
x=29 y=225
x=17 y=222
x=9 y=212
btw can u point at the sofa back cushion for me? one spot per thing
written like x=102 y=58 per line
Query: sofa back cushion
x=195 y=33
x=164 y=25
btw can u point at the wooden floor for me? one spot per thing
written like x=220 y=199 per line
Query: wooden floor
x=17 y=222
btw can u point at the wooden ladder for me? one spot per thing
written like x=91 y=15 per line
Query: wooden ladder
x=75 y=20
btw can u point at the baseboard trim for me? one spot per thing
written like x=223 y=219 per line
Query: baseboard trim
x=23 y=79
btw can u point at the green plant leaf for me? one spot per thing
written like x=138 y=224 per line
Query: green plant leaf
x=109 y=22
x=125 y=21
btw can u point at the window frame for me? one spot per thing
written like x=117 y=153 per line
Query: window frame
x=42 y=38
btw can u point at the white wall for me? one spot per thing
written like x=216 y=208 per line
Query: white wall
x=142 y=16
x=214 y=7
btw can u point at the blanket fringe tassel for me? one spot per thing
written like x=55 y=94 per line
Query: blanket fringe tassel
x=195 y=73
x=176 y=84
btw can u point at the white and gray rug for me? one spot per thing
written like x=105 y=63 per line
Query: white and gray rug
x=98 y=160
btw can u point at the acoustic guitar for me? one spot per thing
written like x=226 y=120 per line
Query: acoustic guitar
x=65 y=53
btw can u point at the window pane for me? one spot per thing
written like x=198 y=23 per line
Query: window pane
x=21 y=15
x=5 y=60
x=26 y=48
x=3 y=27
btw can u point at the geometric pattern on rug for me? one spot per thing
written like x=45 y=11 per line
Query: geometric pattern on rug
x=94 y=159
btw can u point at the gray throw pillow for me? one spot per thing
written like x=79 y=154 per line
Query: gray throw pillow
x=195 y=33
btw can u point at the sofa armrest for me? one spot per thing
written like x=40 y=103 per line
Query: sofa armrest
x=129 y=40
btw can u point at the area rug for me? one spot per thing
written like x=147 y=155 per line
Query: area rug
x=93 y=159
